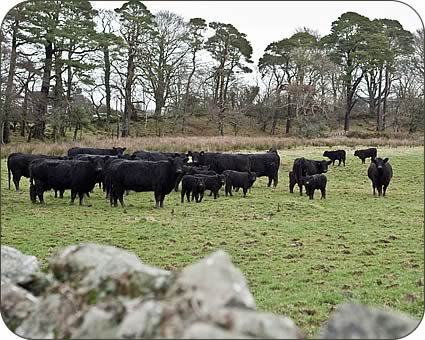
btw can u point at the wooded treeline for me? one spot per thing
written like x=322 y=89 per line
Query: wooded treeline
x=65 y=66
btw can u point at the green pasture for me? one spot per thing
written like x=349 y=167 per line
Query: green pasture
x=301 y=257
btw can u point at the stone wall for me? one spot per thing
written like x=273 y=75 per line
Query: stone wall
x=94 y=291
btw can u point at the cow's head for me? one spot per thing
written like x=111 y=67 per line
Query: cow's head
x=221 y=178
x=323 y=166
x=201 y=184
x=325 y=154
x=356 y=153
x=379 y=163
x=197 y=157
x=252 y=176
x=119 y=151
x=98 y=163
x=177 y=164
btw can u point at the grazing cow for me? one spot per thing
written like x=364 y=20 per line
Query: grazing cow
x=315 y=182
x=18 y=165
x=194 y=185
x=219 y=162
x=213 y=183
x=366 y=153
x=141 y=176
x=237 y=179
x=292 y=182
x=266 y=164
x=79 y=176
x=338 y=155
x=380 y=173
x=96 y=151
x=305 y=167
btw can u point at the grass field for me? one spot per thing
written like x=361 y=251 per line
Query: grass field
x=301 y=258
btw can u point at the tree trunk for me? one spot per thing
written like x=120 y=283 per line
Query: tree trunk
x=107 y=86
x=125 y=132
x=378 y=109
x=384 y=104
x=9 y=87
x=41 y=107
x=348 y=106
x=58 y=97
x=288 y=116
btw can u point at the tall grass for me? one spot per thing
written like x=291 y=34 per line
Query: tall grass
x=227 y=143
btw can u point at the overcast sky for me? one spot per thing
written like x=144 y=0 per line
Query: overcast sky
x=267 y=21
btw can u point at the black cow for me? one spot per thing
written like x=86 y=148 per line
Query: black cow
x=213 y=183
x=315 y=182
x=202 y=158
x=96 y=151
x=194 y=185
x=103 y=158
x=292 y=182
x=156 y=156
x=141 y=176
x=266 y=164
x=18 y=165
x=236 y=179
x=219 y=162
x=193 y=170
x=108 y=170
x=79 y=176
x=337 y=155
x=366 y=153
x=305 y=167
x=380 y=173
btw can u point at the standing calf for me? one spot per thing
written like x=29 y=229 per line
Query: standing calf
x=194 y=185
x=380 y=173
x=366 y=153
x=237 y=179
x=315 y=182
x=338 y=155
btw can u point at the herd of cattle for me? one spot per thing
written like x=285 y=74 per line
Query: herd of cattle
x=162 y=172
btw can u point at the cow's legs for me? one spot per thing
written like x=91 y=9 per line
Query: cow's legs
x=379 y=187
x=81 y=196
x=73 y=195
x=323 y=193
x=385 y=189
x=301 y=189
x=16 y=179
x=374 y=192
x=157 y=199
x=244 y=191
x=33 y=195
x=275 y=180
x=270 y=181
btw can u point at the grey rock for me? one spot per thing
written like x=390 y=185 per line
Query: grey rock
x=355 y=321
x=16 y=303
x=213 y=282
x=96 y=324
x=50 y=318
x=255 y=324
x=107 y=270
x=17 y=267
x=141 y=321
x=201 y=330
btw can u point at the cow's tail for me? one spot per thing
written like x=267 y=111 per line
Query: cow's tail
x=8 y=170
